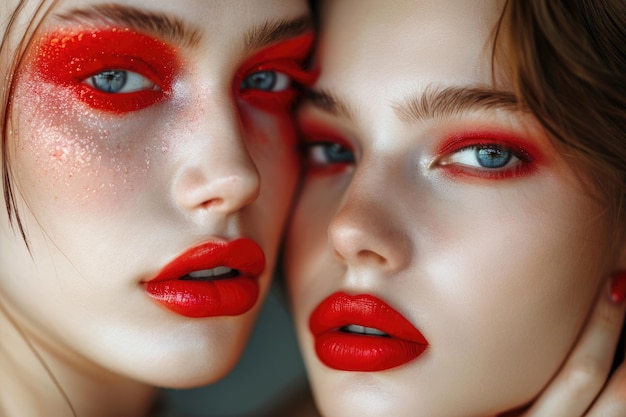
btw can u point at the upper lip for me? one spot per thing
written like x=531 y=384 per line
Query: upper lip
x=241 y=254
x=341 y=309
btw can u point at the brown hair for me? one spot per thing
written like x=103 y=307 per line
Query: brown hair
x=569 y=68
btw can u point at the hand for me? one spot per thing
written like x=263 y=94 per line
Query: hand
x=579 y=389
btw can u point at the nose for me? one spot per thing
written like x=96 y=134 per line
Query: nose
x=368 y=231
x=217 y=173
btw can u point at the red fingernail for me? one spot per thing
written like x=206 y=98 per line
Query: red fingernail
x=618 y=286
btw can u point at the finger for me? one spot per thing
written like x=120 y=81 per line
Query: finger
x=612 y=401
x=584 y=373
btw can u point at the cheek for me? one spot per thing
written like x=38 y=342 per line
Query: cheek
x=70 y=155
x=311 y=271
x=271 y=141
x=516 y=298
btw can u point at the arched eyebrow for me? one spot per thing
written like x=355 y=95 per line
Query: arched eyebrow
x=273 y=31
x=432 y=103
x=451 y=101
x=170 y=29
x=329 y=102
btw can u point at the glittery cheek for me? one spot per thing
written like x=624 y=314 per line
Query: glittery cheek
x=72 y=154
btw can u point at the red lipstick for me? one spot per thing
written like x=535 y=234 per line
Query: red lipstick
x=363 y=333
x=210 y=279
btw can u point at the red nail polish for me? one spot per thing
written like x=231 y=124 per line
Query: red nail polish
x=618 y=286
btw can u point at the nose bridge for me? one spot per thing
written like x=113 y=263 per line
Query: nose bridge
x=216 y=171
x=368 y=229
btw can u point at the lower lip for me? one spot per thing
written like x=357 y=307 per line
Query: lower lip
x=364 y=353
x=227 y=297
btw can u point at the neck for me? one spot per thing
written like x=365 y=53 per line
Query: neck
x=32 y=370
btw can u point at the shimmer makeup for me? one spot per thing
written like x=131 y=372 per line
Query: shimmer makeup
x=97 y=64
x=285 y=62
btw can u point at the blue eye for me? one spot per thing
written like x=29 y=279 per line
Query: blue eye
x=266 y=81
x=483 y=156
x=120 y=81
x=110 y=81
x=492 y=157
x=327 y=153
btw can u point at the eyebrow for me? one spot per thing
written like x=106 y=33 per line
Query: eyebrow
x=274 y=31
x=430 y=104
x=169 y=28
x=451 y=101
x=330 y=103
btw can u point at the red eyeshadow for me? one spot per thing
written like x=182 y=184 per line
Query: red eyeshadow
x=529 y=155
x=69 y=58
x=286 y=57
x=314 y=133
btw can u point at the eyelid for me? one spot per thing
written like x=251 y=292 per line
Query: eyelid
x=288 y=67
x=68 y=57
x=517 y=144
x=134 y=80
x=287 y=56
x=528 y=155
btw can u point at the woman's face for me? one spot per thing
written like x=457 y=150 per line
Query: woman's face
x=153 y=157
x=443 y=254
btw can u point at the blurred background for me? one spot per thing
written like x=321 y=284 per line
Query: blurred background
x=268 y=381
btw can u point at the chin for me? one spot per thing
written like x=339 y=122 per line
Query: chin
x=382 y=394
x=179 y=357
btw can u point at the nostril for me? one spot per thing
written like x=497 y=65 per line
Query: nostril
x=371 y=257
x=215 y=202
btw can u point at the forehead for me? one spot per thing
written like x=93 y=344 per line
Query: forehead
x=406 y=45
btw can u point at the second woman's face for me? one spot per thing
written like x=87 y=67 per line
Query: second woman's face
x=443 y=254
x=153 y=157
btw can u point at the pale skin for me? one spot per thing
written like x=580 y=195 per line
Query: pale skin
x=458 y=250
x=108 y=197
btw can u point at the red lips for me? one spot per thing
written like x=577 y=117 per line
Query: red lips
x=346 y=351
x=233 y=294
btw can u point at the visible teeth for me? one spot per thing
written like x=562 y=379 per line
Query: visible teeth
x=213 y=272
x=355 y=328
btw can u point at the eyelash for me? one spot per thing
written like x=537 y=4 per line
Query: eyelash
x=324 y=151
x=289 y=77
x=284 y=60
x=76 y=60
x=515 y=161
x=125 y=80
x=316 y=151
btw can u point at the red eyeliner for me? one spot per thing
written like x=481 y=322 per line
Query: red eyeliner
x=287 y=57
x=232 y=295
x=346 y=351
x=69 y=58
x=530 y=157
